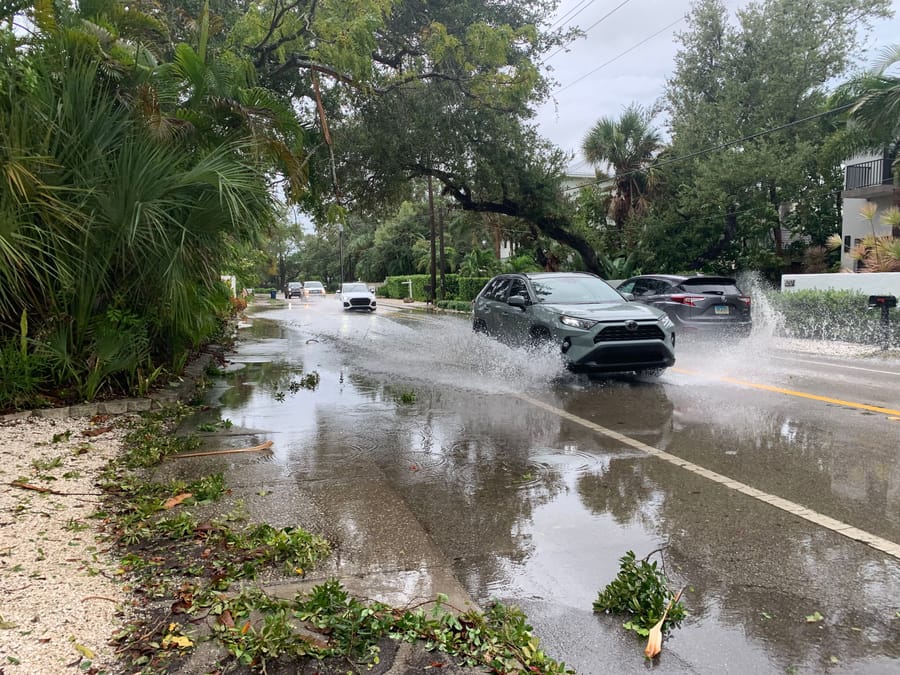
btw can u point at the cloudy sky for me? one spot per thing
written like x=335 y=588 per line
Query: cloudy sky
x=630 y=47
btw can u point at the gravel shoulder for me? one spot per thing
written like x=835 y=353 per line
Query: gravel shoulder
x=61 y=602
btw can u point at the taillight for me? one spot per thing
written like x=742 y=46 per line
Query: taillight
x=746 y=299
x=689 y=300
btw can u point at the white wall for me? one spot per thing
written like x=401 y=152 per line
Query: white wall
x=874 y=283
x=857 y=227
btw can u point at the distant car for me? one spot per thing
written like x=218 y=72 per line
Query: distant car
x=697 y=305
x=311 y=288
x=592 y=325
x=294 y=290
x=357 y=296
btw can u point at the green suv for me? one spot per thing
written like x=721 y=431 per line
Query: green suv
x=595 y=328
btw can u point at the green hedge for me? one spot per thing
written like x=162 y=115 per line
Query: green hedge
x=455 y=287
x=831 y=315
x=455 y=305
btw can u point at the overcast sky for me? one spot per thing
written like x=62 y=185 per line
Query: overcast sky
x=647 y=28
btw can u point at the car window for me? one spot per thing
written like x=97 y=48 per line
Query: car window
x=314 y=284
x=712 y=286
x=574 y=290
x=518 y=287
x=628 y=286
x=354 y=288
x=659 y=287
x=644 y=287
x=497 y=289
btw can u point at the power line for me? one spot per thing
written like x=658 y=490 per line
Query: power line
x=569 y=14
x=722 y=146
x=619 y=56
x=593 y=25
x=607 y=15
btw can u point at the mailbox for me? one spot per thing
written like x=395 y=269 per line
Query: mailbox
x=883 y=301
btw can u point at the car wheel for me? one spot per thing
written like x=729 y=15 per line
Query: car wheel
x=479 y=326
x=539 y=337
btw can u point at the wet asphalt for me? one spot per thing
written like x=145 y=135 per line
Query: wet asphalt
x=420 y=452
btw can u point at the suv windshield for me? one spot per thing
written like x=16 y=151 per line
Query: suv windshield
x=574 y=290
x=313 y=284
x=355 y=288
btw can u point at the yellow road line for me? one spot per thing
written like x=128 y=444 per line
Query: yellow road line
x=798 y=394
x=876 y=542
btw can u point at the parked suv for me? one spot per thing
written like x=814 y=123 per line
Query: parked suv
x=697 y=305
x=591 y=324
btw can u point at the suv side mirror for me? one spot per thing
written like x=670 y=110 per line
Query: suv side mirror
x=517 y=301
x=627 y=296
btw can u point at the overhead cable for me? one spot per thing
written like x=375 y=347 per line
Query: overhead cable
x=620 y=55
x=593 y=25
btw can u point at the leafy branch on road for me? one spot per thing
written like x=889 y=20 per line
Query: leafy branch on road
x=640 y=592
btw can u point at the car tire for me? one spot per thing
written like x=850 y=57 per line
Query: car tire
x=479 y=326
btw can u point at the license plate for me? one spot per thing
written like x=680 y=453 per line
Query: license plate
x=723 y=309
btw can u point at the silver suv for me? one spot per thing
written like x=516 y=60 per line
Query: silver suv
x=594 y=326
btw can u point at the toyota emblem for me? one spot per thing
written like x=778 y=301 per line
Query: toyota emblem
x=631 y=325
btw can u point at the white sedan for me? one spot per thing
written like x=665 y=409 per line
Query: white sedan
x=357 y=296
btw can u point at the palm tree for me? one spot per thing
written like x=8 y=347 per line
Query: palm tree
x=479 y=262
x=873 y=122
x=877 y=99
x=624 y=147
x=113 y=239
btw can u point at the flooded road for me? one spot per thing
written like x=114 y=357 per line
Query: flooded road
x=441 y=461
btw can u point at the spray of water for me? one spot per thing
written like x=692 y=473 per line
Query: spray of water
x=446 y=351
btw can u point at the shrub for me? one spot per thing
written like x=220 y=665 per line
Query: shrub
x=455 y=305
x=469 y=287
x=20 y=371
x=455 y=287
x=831 y=315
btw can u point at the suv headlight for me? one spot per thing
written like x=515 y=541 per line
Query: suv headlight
x=666 y=322
x=575 y=322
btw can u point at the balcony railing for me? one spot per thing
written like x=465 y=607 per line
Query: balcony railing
x=868 y=174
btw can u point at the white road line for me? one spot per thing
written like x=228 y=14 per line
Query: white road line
x=883 y=545
x=835 y=365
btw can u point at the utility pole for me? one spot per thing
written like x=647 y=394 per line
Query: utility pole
x=341 y=254
x=433 y=253
x=443 y=294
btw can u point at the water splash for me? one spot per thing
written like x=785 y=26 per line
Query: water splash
x=446 y=351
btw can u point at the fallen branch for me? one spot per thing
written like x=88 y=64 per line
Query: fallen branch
x=254 y=448
x=654 y=638
x=36 y=488
x=43 y=490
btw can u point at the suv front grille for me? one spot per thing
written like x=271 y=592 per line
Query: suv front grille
x=362 y=302
x=621 y=333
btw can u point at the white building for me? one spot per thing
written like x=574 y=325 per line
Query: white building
x=867 y=180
